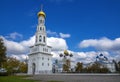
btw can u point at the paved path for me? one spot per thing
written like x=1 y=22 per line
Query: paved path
x=78 y=77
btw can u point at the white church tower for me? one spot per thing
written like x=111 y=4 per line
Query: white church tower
x=40 y=57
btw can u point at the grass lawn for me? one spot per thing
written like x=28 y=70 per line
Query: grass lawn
x=15 y=79
x=18 y=79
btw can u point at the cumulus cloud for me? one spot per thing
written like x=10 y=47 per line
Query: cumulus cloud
x=57 y=44
x=54 y=34
x=20 y=50
x=19 y=57
x=111 y=47
x=17 y=49
x=84 y=57
x=14 y=47
x=50 y=33
x=102 y=44
x=64 y=35
x=14 y=35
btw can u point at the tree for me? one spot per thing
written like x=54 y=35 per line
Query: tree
x=97 y=68
x=119 y=66
x=12 y=65
x=23 y=67
x=66 y=66
x=79 y=67
x=67 y=62
x=116 y=65
x=2 y=52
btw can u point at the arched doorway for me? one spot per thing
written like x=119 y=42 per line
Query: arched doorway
x=33 y=68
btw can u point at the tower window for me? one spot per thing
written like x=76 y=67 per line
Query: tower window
x=48 y=64
x=40 y=28
x=44 y=38
x=42 y=58
x=42 y=64
x=40 y=38
x=40 y=21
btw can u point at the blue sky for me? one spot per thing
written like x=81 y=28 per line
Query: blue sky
x=86 y=25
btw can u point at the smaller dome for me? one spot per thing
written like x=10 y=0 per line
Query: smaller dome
x=41 y=13
x=66 y=52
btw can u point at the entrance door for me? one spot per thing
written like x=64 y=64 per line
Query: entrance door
x=33 y=68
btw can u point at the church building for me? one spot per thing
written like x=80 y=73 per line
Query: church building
x=40 y=57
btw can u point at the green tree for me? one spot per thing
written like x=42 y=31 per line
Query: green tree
x=12 y=65
x=2 y=52
x=79 y=67
x=67 y=62
x=23 y=67
x=66 y=66
x=97 y=68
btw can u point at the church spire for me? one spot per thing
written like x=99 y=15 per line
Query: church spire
x=41 y=7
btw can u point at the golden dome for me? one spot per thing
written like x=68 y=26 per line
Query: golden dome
x=41 y=13
x=66 y=52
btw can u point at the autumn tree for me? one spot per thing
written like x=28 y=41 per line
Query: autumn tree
x=66 y=66
x=97 y=68
x=23 y=67
x=79 y=67
x=2 y=52
x=67 y=62
x=12 y=65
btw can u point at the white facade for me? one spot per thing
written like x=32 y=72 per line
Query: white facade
x=40 y=58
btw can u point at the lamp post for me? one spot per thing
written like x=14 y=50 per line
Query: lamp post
x=66 y=62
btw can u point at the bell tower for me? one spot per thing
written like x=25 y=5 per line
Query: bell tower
x=40 y=57
x=41 y=31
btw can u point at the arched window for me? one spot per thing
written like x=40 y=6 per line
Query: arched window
x=44 y=39
x=40 y=21
x=40 y=28
x=40 y=38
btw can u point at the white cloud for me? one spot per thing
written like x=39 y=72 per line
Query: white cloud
x=14 y=47
x=19 y=57
x=85 y=57
x=29 y=42
x=50 y=33
x=21 y=49
x=102 y=44
x=54 y=34
x=14 y=35
x=18 y=48
x=57 y=43
x=107 y=46
x=64 y=35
